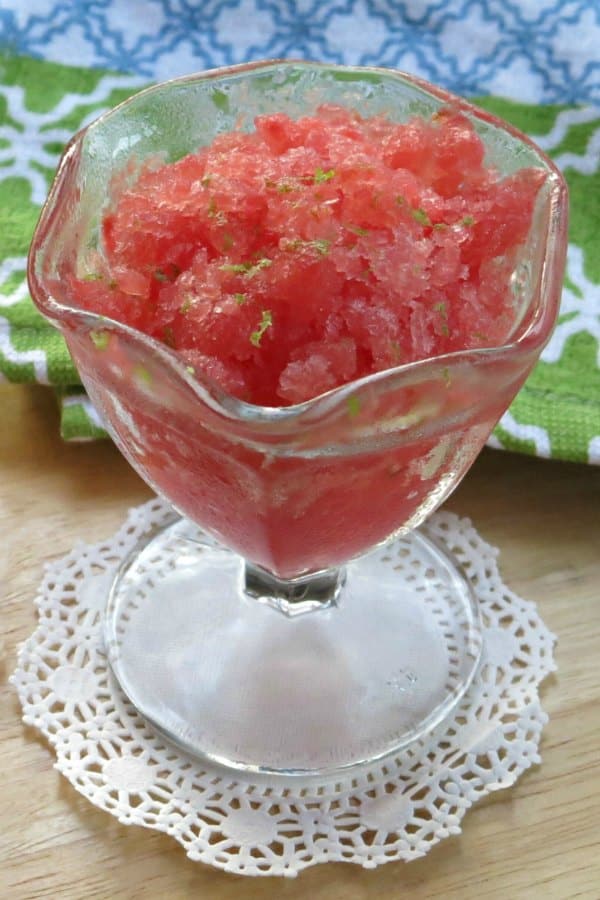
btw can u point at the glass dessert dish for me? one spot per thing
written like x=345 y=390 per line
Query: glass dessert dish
x=292 y=618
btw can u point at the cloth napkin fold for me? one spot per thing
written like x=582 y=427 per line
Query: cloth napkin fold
x=556 y=414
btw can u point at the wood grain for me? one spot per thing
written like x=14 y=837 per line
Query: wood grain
x=538 y=840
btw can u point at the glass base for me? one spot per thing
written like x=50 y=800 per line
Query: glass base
x=237 y=680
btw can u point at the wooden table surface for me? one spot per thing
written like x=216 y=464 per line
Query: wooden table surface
x=537 y=840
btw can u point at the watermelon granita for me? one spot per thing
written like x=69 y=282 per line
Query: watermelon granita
x=283 y=263
x=313 y=252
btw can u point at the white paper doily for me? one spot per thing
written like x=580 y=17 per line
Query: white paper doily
x=397 y=809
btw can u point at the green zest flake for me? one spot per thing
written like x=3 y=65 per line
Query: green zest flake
x=446 y=376
x=169 y=337
x=321 y=176
x=321 y=246
x=265 y=322
x=263 y=263
x=468 y=221
x=356 y=229
x=171 y=275
x=190 y=369
x=247 y=268
x=236 y=268
x=400 y=200
x=480 y=336
x=142 y=374
x=240 y=299
x=443 y=311
x=420 y=216
x=93 y=276
x=439 y=226
x=100 y=339
x=228 y=242
x=284 y=187
x=215 y=213
x=353 y=404
x=186 y=305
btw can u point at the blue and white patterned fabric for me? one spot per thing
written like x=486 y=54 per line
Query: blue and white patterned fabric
x=544 y=51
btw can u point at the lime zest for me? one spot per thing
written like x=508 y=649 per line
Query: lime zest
x=263 y=263
x=442 y=309
x=266 y=322
x=321 y=245
x=356 y=229
x=247 y=268
x=186 y=305
x=321 y=176
x=215 y=213
x=353 y=404
x=420 y=216
x=446 y=376
x=163 y=276
x=141 y=373
x=93 y=276
x=236 y=268
x=190 y=369
x=240 y=299
x=100 y=339
x=467 y=221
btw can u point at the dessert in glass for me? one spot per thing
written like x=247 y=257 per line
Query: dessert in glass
x=292 y=618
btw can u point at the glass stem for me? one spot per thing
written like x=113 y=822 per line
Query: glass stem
x=294 y=596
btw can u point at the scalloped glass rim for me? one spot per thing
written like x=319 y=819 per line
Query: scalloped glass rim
x=533 y=336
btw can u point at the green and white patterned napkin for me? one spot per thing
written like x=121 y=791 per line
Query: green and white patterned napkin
x=556 y=414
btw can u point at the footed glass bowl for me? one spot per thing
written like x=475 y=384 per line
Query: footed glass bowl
x=291 y=619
